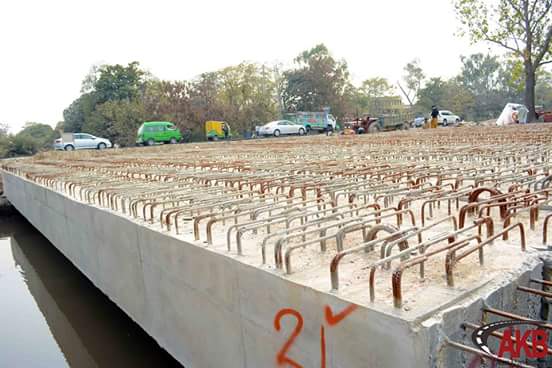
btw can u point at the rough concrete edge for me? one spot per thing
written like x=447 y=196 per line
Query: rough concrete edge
x=494 y=289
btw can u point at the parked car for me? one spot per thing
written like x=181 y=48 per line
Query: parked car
x=151 y=132
x=446 y=117
x=418 y=122
x=73 y=141
x=279 y=127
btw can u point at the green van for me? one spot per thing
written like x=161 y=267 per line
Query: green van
x=152 y=132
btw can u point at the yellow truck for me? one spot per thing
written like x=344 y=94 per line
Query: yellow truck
x=214 y=130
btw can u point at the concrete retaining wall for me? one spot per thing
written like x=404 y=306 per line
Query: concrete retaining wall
x=209 y=310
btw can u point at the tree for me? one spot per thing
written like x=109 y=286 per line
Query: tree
x=42 y=135
x=449 y=94
x=79 y=112
x=247 y=95
x=376 y=87
x=366 y=97
x=413 y=80
x=119 y=88
x=204 y=102
x=543 y=90
x=318 y=81
x=118 y=82
x=59 y=129
x=482 y=75
x=433 y=93
x=522 y=27
x=5 y=140
x=512 y=80
x=123 y=118
x=33 y=138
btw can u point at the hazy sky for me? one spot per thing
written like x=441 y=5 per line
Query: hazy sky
x=49 y=46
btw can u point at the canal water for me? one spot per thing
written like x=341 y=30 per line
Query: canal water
x=52 y=316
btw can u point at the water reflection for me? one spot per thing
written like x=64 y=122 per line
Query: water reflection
x=52 y=316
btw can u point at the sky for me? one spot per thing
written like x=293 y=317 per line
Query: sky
x=49 y=46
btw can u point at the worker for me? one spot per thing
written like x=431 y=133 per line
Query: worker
x=225 y=130
x=434 y=117
x=515 y=116
x=426 y=124
x=329 y=128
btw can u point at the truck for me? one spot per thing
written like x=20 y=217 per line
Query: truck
x=383 y=122
x=313 y=121
x=214 y=130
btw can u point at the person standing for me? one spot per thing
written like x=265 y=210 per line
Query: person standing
x=434 y=117
x=329 y=127
x=225 y=130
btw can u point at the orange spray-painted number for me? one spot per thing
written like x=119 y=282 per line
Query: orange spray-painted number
x=281 y=357
x=331 y=319
x=322 y=347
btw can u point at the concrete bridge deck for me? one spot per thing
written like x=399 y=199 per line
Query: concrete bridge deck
x=259 y=253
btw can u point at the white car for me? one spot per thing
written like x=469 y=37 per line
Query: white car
x=446 y=117
x=282 y=127
x=73 y=141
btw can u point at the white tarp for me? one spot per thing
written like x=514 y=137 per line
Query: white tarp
x=506 y=117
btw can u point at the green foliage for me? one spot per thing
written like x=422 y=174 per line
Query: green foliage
x=522 y=27
x=23 y=145
x=79 y=112
x=485 y=79
x=122 y=118
x=317 y=81
x=118 y=82
x=116 y=99
x=366 y=98
x=5 y=146
x=33 y=138
x=246 y=94
x=544 y=90
x=110 y=93
x=376 y=87
x=512 y=79
x=243 y=95
x=6 y=141
x=42 y=136
x=450 y=95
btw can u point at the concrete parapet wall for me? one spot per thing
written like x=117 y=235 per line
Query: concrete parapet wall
x=209 y=310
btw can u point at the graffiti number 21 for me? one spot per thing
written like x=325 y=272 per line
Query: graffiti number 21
x=281 y=357
x=330 y=318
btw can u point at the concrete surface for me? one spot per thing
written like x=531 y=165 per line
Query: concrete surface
x=210 y=310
